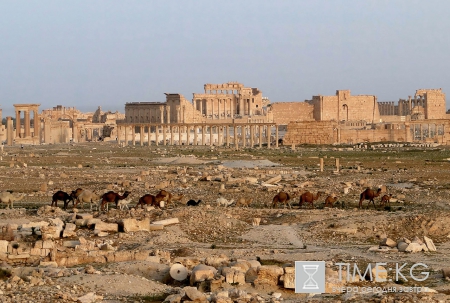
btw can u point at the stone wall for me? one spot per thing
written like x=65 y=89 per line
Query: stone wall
x=285 y=112
x=434 y=103
x=320 y=132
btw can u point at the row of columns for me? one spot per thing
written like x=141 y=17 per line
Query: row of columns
x=243 y=134
x=27 y=123
x=418 y=130
x=224 y=107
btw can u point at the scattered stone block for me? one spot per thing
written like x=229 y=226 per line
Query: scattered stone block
x=202 y=272
x=429 y=243
x=102 y=226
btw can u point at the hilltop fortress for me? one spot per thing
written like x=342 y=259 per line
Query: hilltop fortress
x=231 y=113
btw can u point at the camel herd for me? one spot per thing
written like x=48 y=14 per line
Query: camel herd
x=308 y=197
x=164 y=198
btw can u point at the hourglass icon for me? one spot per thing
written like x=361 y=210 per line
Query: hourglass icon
x=310 y=270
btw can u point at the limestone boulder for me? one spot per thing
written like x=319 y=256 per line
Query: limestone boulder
x=429 y=243
x=289 y=277
x=107 y=227
x=132 y=225
x=269 y=274
x=201 y=273
x=194 y=294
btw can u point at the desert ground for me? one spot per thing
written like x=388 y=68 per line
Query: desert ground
x=417 y=177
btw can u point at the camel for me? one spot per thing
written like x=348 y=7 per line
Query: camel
x=167 y=197
x=369 y=194
x=281 y=197
x=222 y=201
x=112 y=197
x=329 y=201
x=308 y=197
x=386 y=199
x=124 y=203
x=85 y=196
x=244 y=202
x=9 y=198
x=148 y=199
x=193 y=203
x=61 y=196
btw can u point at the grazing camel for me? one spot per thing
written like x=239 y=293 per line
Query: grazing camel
x=281 y=197
x=9 y=198
x=112 y=197
x=308 y=197
x=168 y=197
x=193 y=203
x=244 y=202
x=61 y=196
x=86 y=196
x=386 y=199
x=369 y=194
x=151 y=200
x=329 y=201
x=222 y=201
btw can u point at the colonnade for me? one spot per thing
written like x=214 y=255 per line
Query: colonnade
x=421 y=131
x=26 y=109
x=237 y=134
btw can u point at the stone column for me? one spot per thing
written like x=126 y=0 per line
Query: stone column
x=232 y=105
x=119 y=128
x=212 y=109
x=180 y=135
x=228 y=135
x=421 y=132
x=188 y=135
x=164 y=134
x=141 y=135
x=75 y=131
x=171 y=134
x=195 y=136
x=252 y=135
x=276 y=136
x=126 y=134
x=168 y=114
x=201 y=107
x=219 y=135
x=235 y=136
x=156 y=136
x=9 y=131
x=27 y=124
x=211 y=136
x=203 y=135
x=161 y=114
x=260 y=136
x=133 y=135
x=37 y=125
x=178 y=109
x=18 y=126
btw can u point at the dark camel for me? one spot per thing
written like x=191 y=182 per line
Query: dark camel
x=329 y=201
x=308 y=197
x=369 y=194
x=148 y=199
x=281 y=197
x=112 y=197
x=61 y=196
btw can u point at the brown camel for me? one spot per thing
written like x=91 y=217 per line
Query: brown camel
x=282 y=198
x=61 y=196
x=112 y=197
x=151 y=200
x=308 y=197
x=369 y=194
x=329 y=201
x=167 y=197
x=386 y=199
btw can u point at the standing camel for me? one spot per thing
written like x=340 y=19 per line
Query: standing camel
x=308 y=197
x=112 y=197
x=329 y=201
x=369 y=194
x=386 y=199
x=282 y=198
x=61 y=196
x=9 y=198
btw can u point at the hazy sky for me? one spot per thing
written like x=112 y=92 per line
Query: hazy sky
x=106 y=53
